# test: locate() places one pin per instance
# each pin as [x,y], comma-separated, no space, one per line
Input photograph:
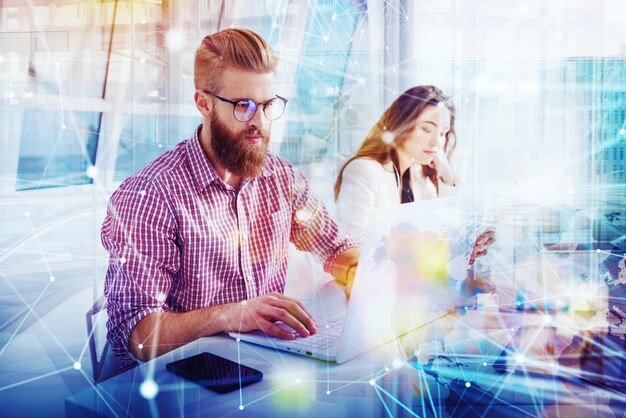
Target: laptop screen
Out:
[412,261]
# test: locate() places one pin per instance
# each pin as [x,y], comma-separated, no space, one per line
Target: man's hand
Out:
[262,313]
[350,281]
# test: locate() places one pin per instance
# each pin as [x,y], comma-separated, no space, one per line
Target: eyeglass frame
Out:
[234,103]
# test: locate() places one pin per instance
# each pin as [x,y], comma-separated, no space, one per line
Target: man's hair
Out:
[239,48]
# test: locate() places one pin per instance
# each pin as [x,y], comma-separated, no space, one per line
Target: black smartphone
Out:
[214,372]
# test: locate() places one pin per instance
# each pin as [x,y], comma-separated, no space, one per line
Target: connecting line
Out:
[97,390]
[267,395]
[30,310]
[239,371]
[361,380]
[420,388]
[383,401]
[422,375]
[496,396]
[32,379]
[154,411]
[393,398]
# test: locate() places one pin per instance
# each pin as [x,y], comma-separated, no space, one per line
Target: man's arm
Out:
[161,332]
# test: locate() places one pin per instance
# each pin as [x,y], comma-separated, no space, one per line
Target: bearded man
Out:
[207,224]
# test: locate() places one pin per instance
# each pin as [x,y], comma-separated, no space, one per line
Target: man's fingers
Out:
[298,312]
[274,314]
[275,330]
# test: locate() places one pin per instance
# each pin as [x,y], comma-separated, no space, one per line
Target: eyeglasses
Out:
[245,109]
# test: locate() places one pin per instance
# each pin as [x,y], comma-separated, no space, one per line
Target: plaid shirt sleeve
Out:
[313,229]
[139,232]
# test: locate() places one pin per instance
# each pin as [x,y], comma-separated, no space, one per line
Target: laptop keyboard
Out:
[327,334]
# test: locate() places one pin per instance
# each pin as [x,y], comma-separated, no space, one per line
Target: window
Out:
[56,148]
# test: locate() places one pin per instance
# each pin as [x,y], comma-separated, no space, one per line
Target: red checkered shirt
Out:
[180,239]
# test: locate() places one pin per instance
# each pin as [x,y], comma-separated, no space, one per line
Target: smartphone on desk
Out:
[214,372]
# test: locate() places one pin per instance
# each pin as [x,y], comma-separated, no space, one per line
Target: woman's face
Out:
[428,136]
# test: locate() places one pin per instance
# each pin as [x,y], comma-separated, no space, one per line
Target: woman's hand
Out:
[444,171]
[481,247]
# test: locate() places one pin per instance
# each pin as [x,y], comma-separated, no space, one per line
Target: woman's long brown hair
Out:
[398,121]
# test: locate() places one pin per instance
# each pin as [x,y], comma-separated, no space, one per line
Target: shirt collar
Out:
[201,168]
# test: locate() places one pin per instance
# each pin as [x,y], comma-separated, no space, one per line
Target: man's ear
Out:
[203,104]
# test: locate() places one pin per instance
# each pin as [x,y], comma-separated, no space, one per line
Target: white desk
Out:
[294,385]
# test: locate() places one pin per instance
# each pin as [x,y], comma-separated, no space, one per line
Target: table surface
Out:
[454,368]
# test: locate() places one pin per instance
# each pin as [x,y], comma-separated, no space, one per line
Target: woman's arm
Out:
[357,196]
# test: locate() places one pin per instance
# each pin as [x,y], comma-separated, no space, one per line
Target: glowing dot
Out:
[122,260]
[327,326]
[407,18]
[91,172]
[52,278]
[241,407]
[148,389]
[175,39]
[77,365]
[547,319]
[143,21]
[298,380]
[238,339]
[386,369]
[64,126]
[518,303]
[439,104]
[232,26]
[552,365]
[160,145]
[519,358]
[622,131]
[467,100]
[397,363]
[386,47]
[304,215]
[160,296]
[334,17]
[598,251]
[484,363]
[387,136]
[328,392]
[362,31]
[142,60]
[361,80]
[140,346]
[326,38]
[467,384]
[27,214]
[512,329]
[143,192]
[274,25]
[243,302]
[372,382]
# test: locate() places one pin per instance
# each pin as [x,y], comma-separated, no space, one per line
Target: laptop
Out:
[410,262]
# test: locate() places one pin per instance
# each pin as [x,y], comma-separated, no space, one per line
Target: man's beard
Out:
[233,151]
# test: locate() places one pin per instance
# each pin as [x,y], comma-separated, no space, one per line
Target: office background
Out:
[91,91]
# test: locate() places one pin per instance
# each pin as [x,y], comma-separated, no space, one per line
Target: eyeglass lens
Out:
[246,108]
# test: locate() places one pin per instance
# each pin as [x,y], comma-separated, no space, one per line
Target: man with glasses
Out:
[198,239]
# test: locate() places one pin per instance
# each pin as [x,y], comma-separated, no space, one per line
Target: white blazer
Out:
[366,185]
